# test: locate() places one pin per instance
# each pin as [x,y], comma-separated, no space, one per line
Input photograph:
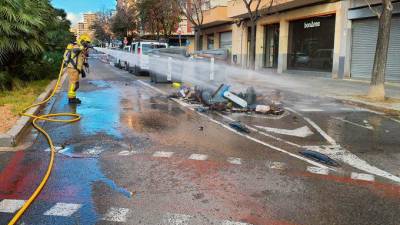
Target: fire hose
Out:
[50,118]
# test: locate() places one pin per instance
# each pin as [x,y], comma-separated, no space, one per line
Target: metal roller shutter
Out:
[365,33]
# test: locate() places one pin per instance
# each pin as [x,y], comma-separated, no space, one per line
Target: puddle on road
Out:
[100,112]
[75,176]
[100,83]
[149,120]
[84,153]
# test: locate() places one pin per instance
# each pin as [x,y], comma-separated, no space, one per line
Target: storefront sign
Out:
[312,24]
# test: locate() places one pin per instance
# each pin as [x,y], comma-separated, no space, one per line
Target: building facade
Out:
[334,39]
[363,32]
[85,27]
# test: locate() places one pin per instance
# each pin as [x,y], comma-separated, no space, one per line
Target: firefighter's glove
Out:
[83,73]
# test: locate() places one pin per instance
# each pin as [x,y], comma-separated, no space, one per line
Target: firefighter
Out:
[75,59]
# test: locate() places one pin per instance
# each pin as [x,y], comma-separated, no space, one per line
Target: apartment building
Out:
[334,39]
[85,26]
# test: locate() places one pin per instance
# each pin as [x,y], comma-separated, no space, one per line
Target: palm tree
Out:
[21,24]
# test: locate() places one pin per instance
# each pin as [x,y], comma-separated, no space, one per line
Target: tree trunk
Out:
[377,87]
[197,40]
[252,50]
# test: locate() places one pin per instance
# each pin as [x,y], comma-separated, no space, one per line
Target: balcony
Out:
[237,9]
[215,16]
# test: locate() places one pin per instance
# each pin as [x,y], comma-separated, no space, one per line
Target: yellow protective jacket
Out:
[74,57]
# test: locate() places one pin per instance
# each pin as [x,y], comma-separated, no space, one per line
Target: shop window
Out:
[311,43]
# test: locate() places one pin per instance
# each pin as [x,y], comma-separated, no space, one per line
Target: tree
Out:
[377,86]
[149,19]
[159,16]
[102,27]
[33,36]
[169,16]
[124,23]
[253,13]
[21,22]
[194,12]
[57,31]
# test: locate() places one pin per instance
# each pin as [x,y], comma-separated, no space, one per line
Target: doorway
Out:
[271,46]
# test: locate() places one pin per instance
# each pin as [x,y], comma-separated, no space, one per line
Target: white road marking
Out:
[176,219]
[367,126]
[395,120]
[259,141]
[126,153]
[313,124]
[249,137]
[338,153]
[347,109]
[227,222]
[335,151]
[302,132]
[163,154]
[63,209]
[236,161]
[116,215]
[11,205]
[277,165]
[317,170]
[311,110]
[320,131]
[198,157]
[362,176]
[262,133]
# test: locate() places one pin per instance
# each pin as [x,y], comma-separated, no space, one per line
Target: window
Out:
[210,41]
[311,43]
[225,40]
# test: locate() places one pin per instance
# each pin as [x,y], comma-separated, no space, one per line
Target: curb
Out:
[387,111]
[14,135]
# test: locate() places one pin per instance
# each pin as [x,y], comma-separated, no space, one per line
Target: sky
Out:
[75,8]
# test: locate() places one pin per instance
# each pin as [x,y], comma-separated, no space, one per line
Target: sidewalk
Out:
[349,91]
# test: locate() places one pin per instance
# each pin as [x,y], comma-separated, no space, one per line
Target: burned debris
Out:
[223,99]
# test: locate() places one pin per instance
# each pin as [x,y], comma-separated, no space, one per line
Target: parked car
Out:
[140,60]
[163,58]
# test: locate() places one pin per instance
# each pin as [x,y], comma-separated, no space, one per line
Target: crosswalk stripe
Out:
[11,205]
[227,222]
[277,165]
[311,110]
[362,176]
[63,209]
[236,161]
[198,157]
[318,170]
[116,215]
[163,154]
[176,219]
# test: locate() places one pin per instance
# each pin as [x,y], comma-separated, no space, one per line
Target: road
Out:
[137,157]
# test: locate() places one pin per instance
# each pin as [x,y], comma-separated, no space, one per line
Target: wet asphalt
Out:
[110,166]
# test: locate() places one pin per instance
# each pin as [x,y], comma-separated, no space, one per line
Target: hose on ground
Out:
[50,118]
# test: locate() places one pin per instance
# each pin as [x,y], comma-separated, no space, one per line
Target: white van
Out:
[140,50]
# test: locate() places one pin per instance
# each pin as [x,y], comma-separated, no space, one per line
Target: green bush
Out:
[32,41]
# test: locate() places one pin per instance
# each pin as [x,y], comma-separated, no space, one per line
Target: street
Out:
[138,157]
